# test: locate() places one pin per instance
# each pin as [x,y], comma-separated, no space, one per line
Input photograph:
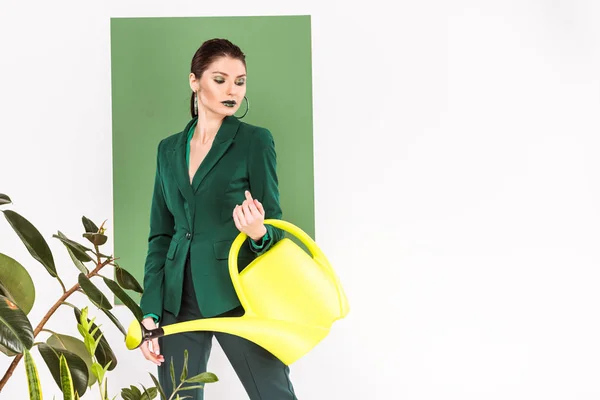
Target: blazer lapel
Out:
[221,143]
[179,170]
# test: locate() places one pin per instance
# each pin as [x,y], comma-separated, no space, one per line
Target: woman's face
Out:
[222,87]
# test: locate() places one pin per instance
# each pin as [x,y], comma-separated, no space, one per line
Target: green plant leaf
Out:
[16,283]
[193,387]
[16,333]
[126,394]
[129,394]
[149,394]
[8,352]
[89,225]
[115,321]
[79,251]
[172,370]
[66,382]
[33,379]
[77,367]
[126,280]
[106,390]
[32,239]
[136,392]
[205,377]
[80,266]
[103,353]
[124,297]
[94,294]
[97,239]
[89,331]
[4,199]
[98,371]
[76,346]
[159,387]
[85,330]
[184,370]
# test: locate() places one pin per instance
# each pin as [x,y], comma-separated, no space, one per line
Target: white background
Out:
[457,186]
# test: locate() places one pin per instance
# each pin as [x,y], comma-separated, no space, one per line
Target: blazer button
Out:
[188,236]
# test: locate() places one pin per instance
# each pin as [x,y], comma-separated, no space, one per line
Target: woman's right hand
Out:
[150,348]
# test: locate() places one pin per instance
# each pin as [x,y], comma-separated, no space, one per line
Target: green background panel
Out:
[150,61]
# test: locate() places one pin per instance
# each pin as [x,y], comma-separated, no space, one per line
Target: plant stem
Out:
[113,263]
[40,326]
[100,389]
[97,253]
[176,390]
[62,285]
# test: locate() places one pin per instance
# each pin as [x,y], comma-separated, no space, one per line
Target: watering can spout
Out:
[290,299]
[285,340]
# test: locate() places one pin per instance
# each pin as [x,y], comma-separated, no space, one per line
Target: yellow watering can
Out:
[290,299]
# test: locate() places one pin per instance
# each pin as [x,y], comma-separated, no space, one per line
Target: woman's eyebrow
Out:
[223,73]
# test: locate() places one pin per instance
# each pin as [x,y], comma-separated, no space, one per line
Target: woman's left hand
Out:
[249,217]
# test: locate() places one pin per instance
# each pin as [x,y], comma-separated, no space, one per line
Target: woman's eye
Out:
[219,80]
[240,82]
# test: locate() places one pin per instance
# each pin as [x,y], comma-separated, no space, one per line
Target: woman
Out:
[214,179]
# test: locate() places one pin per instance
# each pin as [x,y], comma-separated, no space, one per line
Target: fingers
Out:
[151,349]
[145,351]
[247,212]
[249,216]
[156,348]
[236,219]
[239,212]
[259,207]
[252,204]
[150,354]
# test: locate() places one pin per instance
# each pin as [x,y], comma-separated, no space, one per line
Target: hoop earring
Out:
[196,103]
[247,108]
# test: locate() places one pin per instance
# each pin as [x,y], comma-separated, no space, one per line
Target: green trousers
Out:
[263,376]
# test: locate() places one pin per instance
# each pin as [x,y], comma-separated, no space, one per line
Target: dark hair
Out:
[209,52]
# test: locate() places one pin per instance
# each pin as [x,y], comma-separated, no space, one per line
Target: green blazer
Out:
[196,218]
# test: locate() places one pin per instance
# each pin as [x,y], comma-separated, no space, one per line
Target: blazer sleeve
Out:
[161,231]
[263,180]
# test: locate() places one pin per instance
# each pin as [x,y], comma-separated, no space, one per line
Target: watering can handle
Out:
[310,244]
